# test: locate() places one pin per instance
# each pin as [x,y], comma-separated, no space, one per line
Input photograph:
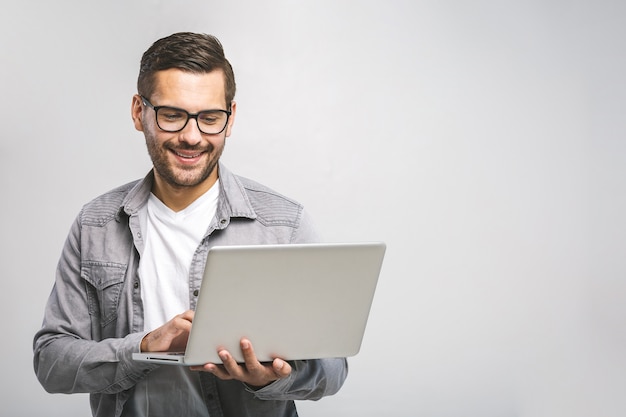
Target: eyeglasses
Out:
[173,119]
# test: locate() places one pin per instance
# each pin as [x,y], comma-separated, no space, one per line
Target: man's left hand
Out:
[251,372]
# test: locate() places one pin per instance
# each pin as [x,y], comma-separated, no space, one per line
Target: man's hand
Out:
[251,372]
[171,337]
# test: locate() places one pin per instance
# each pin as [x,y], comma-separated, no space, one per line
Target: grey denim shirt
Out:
[93,320]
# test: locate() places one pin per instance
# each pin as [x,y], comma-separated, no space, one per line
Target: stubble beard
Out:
[182,177]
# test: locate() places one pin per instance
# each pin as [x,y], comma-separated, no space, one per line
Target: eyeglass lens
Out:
[209,122]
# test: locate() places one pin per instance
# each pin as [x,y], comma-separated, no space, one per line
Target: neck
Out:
[178,197]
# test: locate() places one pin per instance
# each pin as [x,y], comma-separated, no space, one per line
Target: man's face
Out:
[185,159]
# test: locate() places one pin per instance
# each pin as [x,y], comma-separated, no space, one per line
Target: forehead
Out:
[191,91]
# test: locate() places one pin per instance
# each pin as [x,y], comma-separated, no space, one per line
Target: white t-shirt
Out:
[171,239]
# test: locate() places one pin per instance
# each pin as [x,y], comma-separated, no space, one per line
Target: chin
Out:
[187,179]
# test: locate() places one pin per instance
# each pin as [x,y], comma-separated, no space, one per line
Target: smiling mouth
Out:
[187,155]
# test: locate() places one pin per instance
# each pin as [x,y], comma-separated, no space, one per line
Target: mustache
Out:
[196,148]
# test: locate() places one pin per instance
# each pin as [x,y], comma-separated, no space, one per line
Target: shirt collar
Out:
[233,199]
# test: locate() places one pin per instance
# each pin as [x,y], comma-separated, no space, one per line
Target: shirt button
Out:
[136,285]
[195,293]
[223,221]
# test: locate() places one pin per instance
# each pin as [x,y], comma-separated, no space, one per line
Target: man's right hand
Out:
[171,337]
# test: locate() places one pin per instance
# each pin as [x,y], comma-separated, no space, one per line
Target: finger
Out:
[281,368]
[249,357]
[231,366]
[187,315]
[170,336]
[178,330]
[179,323]
[258,371]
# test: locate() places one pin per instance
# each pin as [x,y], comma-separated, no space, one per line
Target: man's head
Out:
[189,52]
[185,96]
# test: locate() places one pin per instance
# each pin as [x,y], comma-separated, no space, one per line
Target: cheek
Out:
[219,143]
[156,135]
[153,141]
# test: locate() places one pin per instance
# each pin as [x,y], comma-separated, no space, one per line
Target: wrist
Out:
[143,346]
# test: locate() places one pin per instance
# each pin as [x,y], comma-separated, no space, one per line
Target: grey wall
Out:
[483,141]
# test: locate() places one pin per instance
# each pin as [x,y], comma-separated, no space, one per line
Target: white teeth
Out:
[187,156]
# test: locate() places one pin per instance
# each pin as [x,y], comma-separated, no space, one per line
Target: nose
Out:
[191,133]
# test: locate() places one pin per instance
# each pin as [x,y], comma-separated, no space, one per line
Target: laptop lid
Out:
[297,301]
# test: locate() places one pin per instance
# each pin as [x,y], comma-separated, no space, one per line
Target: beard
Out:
[180,175]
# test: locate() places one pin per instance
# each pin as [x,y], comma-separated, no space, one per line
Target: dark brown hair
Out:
[193,52]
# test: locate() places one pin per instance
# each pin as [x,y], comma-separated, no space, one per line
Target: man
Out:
[131,267]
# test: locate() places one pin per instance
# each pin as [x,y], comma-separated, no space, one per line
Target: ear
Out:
[231,119]
[136,112]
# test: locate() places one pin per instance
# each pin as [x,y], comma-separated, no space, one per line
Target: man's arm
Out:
[68,357]
[279,379]
[284,380]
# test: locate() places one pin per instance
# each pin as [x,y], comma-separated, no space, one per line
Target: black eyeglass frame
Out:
[189,116]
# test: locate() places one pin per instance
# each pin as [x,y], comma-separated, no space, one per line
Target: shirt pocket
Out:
[105,281]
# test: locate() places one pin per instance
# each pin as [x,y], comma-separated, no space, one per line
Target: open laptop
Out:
[298,301]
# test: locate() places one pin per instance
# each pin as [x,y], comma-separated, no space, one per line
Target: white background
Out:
[484,141]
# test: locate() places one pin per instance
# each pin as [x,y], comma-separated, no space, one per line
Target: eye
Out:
[171,115]
[210,118]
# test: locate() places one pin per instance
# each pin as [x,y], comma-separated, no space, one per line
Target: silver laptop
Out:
[299,301]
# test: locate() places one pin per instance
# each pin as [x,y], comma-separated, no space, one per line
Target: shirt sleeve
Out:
[67,359]
[309,380]
[306,232]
